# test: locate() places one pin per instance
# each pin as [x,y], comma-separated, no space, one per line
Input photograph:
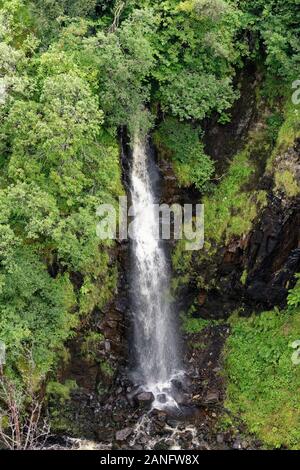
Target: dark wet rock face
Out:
[269,257]
[255,271]
[273,253]
[221,141]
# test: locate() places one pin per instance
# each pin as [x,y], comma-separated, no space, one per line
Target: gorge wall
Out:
[249,273]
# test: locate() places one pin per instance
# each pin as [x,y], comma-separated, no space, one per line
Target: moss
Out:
[231,209]
[225,423]
[290,129]
[285,181]
[106,369]
[282,162]
[193,325]
[181,260]
[59,396]
[199,346]
[244,277]
[262,382]
[97,293]
[91,344]
[60,392]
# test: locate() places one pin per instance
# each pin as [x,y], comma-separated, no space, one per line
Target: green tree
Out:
[275,26]
[125,59]
[196,51]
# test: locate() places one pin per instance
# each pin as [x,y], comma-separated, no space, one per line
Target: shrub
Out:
[262,380]
[180,143]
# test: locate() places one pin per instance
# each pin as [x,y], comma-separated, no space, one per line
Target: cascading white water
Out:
[155,342]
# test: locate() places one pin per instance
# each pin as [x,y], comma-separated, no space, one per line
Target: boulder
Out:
[212,397]
[123,434]
[161,398]
[145,397]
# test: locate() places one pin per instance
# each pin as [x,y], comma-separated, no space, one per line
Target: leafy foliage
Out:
[294,294]
[193,325]
[124,59]
[196,52]
[263,381]
[233,208]
[275,23]
[72,73]
[180,142]
[57,165]
[35,312]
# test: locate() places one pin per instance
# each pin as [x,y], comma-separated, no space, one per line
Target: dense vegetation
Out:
[71,74]
[263,377]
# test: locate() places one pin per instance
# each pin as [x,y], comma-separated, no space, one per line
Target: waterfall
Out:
[155,338]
